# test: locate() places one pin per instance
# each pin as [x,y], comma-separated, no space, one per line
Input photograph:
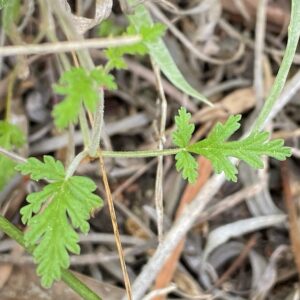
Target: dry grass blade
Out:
[268,278]
[162,292]
[12,155]
[115,226]
[224,233]
[259,54]
[67,46]
[236,264]
[289,200]
[159,170]
[102,11]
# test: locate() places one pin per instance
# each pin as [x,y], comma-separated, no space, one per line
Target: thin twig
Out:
[12,156]
[159,170]
[115,226]
[161,292]
[258,52]
[291,208]
[67,46]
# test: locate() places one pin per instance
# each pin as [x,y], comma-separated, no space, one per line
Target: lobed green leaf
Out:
[184,129]
[79,88]
[187,164]
[9,166]
[115,55]
[250,149]
[53,214]
[36,200]
[109,28]
[10,137]
[50,169]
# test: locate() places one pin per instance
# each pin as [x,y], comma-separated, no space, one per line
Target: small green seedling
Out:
[11,138]
[62,208]
[65,204]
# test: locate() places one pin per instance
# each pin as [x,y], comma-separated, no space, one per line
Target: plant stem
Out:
[293,38]
[84,128]
[12,231]
[13,156]
[143,153]
[11,81]
[113,154]
[73,282]
[78,286]
[97,126]
[121,154]
[75,163]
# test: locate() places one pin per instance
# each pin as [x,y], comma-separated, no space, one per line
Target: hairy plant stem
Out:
[290,51]
[72,281]
[143,153]
[84,128]
[75,163]
[118,154]
[110,154]
[97,126]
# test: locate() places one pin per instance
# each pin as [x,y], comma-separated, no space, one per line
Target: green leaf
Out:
[115,55]
[184,130]
[79,87]
[36,200]
[160,53]
[3,3]
[186,163]
[9,166]
[50,169]
[250,149]
[115,58]
[109,28]
[10,137]
[54,214]
[10,14]
[106,80]
[151,32]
